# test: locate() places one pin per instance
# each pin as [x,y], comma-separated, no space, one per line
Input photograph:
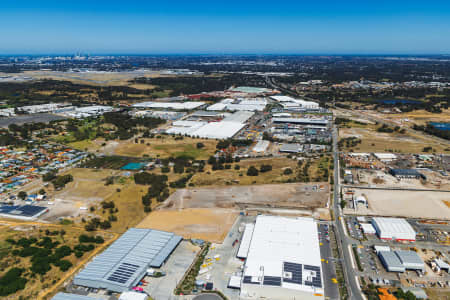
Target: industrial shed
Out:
[125,262]
[66,296]
[407,173]
[391,261]
[401,260]
[291,148]
[410,260]
[283,260]
[393,229]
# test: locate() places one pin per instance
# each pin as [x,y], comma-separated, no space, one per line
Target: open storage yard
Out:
[414,204]
[200,223]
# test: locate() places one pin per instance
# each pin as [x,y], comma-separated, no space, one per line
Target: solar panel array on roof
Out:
[316,280]
[28,211]
[125,262]
[272,280]
[248,279]
[293,273]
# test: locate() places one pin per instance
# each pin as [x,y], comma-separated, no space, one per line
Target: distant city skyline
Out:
[228,27]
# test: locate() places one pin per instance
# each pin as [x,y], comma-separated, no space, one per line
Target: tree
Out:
[265,168]
[22,195]
[200,145]
[287,171]
[252,171]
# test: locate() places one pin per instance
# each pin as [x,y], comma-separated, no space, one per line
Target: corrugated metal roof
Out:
[126,259]
[410,259]
[391,261]
[66,296]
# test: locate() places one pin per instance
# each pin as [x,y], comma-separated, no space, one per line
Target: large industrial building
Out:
[393,229]
[125,262]
[282,259]
[401,260]
[188,105]
[301,121]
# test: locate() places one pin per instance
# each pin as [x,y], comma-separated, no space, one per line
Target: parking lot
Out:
[221,261]
[328,267]
[162,288]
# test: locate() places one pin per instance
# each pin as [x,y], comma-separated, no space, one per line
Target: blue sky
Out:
[215,26]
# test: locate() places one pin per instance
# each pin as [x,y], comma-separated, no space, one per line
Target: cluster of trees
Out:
[158,189]
[223,162]
[430,129]
[8,139]
[60,181]
[12,281]
[303,174]
[349,142]
[43,252]
[94,223]
[181,183]
[224,144]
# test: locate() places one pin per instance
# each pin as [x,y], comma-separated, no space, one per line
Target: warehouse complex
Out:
[394,229]
[125,262]
[217,129]
[282,259]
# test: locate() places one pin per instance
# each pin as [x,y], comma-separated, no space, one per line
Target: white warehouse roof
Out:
[393,229]
[283,257]
[218,130]
[171,105]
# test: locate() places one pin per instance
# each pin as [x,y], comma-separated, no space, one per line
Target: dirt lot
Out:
[414,204]
[208,224]
[295,195]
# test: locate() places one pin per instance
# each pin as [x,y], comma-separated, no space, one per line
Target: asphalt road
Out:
[342,239]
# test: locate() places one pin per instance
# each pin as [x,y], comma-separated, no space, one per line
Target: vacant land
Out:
[419,117]
[89,189]
[165,146]
[373,141]
[38,284]
[233,176]
[207,224]
[295,195]
[414,204]
[97,78]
